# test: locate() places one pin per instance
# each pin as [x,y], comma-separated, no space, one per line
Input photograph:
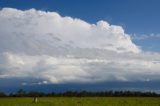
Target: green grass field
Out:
[84,101]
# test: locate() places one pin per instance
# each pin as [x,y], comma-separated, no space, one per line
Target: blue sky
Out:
[80,42]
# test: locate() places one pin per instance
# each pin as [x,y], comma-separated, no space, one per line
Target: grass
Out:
[84,101]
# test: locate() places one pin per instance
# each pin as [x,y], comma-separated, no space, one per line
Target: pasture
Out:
[83,101]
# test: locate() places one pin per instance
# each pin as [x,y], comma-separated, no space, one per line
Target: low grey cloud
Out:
[53,49]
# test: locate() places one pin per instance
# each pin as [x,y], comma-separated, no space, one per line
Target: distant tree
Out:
[2,94]
[21,93]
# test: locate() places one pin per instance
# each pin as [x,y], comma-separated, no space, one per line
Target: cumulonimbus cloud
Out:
[54,49]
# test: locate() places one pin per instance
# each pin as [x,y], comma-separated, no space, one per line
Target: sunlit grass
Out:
[84,101]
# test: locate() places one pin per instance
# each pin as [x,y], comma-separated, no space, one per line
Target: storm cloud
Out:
[48,48]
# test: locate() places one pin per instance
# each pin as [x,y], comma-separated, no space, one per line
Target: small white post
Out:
[35,100]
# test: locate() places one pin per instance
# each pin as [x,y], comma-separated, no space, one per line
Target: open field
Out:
[84,101]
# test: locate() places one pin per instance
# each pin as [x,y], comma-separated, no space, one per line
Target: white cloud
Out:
[55,49]
[144,36]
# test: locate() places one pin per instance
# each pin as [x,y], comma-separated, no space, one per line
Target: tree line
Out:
[23,93]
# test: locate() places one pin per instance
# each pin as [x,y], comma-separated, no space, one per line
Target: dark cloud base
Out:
[105,86]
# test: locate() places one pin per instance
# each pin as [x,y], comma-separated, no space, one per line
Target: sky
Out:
[79,44]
